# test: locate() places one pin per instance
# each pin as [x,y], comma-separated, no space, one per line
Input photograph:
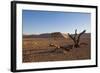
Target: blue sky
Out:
[37,22]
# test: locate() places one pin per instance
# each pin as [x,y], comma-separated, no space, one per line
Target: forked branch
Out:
[76,37]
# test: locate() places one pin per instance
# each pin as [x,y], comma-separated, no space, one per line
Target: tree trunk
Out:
[76,45]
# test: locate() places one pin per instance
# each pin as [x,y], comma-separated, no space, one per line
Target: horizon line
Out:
[49,33]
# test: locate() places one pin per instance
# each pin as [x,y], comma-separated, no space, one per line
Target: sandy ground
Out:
[38,50]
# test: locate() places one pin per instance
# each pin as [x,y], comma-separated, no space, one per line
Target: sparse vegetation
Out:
[53,49]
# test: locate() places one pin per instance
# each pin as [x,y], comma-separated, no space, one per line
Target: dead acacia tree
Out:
[76,38]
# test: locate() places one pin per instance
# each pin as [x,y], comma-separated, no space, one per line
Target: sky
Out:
[38,22]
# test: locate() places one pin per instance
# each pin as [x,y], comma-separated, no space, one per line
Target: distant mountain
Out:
[59,35]
[47,35]
[54,35]
[85,35]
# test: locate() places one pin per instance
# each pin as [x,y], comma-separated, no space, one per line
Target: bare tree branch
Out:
[71,37]
[76,37]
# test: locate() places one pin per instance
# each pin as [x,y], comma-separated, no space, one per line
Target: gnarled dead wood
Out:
[76,38]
